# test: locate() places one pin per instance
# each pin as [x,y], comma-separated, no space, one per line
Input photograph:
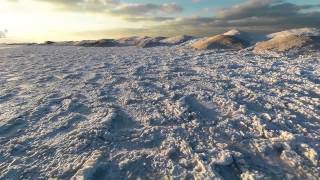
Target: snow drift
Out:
[233,39]
[139,41]
[249,37]
[97,43]
[294,40]
[131,41]
[297,32]
[220,42]
[151,42]
[176,40]
[70,112]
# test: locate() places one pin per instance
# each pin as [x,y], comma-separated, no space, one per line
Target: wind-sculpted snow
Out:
[157,113]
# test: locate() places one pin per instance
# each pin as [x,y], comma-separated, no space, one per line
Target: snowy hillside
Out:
[297,32]
[251,38]
[163,112]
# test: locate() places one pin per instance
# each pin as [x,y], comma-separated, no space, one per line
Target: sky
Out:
[63,20]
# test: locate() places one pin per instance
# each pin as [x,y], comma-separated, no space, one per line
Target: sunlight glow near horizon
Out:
[64,20]
[29,21]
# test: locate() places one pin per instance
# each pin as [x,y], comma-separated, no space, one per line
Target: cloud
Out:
[293,16]
[115,7]
[276,14]
[3,33]
[98,6]
[195,1]
[82,2]
[252,15]
[145,9]
[266,8]
[148,19]
[163,19]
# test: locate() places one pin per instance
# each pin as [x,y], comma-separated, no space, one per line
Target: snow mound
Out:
[60,43]
[132,40]
[297,32]
[233,32]
[177,40]
[162,41]
[139,41]
[97,43]
[295,40]
[220,42]
[252,38]
[233,39]
[151,42]
[49,42]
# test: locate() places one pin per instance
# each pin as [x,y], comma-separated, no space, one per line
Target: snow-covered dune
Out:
[249,37]
[280,44]
[220,42]
[176,40]
[294,40]
[131,41]
[297,32]
[232,39]
[151,42]
[70,112]
[97,43]
[139,41]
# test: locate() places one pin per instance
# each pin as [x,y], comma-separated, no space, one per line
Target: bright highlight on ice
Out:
[126,89]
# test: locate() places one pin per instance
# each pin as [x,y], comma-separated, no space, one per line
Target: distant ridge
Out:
[289,40]
[220,42]
[249,37]
[177,39]
[297,32]
[139,41]
[233,39]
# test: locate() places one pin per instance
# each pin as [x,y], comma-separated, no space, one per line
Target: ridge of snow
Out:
[298,32]
[251,38]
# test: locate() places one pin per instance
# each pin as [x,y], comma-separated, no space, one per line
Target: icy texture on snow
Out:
[164,112]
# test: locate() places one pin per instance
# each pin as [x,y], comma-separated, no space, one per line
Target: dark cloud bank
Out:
[253,15]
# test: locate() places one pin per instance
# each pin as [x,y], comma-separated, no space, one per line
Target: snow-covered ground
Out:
[164,112]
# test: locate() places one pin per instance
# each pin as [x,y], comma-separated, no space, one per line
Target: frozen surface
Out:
[118,113]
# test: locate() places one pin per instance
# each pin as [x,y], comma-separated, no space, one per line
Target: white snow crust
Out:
[157,113]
